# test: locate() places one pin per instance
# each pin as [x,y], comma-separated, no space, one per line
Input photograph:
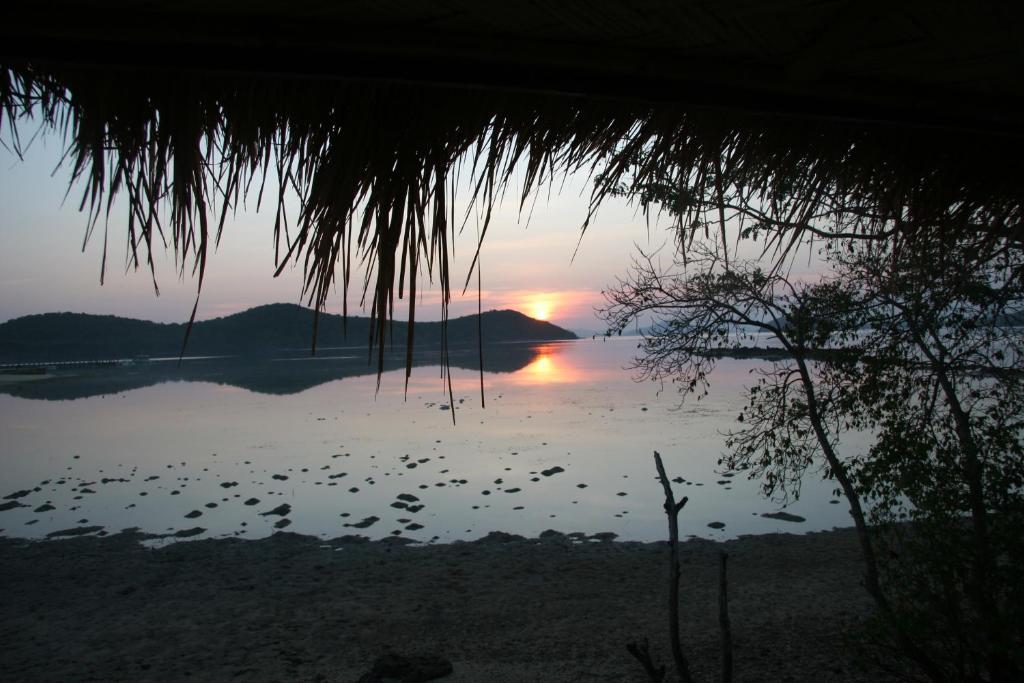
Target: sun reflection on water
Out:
[549,366]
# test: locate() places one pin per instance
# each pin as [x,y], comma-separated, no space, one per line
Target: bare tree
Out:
[896,337]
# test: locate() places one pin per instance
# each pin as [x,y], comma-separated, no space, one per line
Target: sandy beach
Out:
[298,608]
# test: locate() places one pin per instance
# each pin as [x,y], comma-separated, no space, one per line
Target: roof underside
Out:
[915,62]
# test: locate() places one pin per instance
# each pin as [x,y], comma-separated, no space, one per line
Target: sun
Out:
[539,305]
[541,310]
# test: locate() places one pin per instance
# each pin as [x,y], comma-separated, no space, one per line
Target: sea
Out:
[560,436]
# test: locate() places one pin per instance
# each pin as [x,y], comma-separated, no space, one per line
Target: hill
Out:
[273,328]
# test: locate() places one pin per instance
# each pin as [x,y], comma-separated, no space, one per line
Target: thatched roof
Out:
[907,118]
[922,62]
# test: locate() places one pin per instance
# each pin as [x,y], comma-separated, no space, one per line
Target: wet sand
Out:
[297,608]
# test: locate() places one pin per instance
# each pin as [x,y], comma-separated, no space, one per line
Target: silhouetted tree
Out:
[913,345]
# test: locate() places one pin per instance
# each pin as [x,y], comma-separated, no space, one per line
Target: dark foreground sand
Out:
[294,608]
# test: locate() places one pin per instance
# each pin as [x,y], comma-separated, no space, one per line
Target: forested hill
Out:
[272,328]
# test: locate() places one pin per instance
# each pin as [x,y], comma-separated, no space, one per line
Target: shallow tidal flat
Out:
[210,450]
[291,607]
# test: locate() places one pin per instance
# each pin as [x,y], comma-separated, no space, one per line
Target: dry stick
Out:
[724,627]
[672,509]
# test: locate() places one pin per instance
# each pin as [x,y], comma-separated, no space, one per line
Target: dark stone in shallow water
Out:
[280,477]
[717,525]
[367,522]
[349,538]
[229,484]
[552,470]
[407,497]
[10,505]
[394,667]
[76,531]
[17,494]
[500,537]
[188,533]
[194,514]
[282,510]
[45,507]
[783,516]
[252,501]
[396,539]
[282,523]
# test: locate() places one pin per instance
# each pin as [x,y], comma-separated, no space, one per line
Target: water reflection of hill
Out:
[265,375]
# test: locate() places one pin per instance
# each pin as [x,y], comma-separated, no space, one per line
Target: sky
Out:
[528,267]
[46,266]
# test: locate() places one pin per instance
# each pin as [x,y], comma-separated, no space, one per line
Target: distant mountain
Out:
[273,328]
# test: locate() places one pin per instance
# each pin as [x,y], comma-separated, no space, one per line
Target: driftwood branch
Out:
[641,652]
[672,509]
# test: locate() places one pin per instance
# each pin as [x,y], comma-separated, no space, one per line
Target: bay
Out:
[564,442]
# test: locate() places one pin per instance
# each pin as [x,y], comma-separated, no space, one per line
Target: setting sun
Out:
[564,307]
[539,305]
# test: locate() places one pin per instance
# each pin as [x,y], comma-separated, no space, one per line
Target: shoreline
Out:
[156,540]
[501,608]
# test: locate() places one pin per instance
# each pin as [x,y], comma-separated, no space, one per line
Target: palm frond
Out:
[373,165]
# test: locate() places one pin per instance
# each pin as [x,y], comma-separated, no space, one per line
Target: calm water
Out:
[145,446]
